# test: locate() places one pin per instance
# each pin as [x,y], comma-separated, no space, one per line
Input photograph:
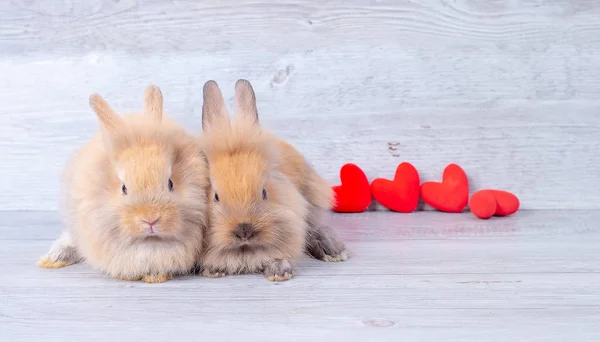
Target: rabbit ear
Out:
[153,103]
[214,111]
[245,101]
[108,117]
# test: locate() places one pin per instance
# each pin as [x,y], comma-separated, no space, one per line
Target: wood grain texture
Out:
[416,277]
[510,90]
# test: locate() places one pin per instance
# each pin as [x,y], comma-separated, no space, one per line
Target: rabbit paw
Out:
[342,256]
[279,270]
[48,262]
[128,278]
[62,253]
[156,278]
[323,245]
[211,273]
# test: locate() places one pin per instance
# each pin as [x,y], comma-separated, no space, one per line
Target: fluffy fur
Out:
[262,187]
[139,168]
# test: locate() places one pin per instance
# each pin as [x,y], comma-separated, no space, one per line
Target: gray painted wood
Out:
[508,89]
[417,277]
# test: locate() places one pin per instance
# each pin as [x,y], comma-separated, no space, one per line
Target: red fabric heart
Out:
[401,194]
[498,202]
[452,194]
[507,202]
[483,204]
[354,194]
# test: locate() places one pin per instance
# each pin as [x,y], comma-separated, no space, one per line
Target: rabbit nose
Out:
[244,231]
[151,222]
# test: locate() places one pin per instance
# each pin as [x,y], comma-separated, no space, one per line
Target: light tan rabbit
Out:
[267,202]
[134,197]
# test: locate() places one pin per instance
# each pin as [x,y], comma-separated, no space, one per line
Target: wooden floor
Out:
[425,276]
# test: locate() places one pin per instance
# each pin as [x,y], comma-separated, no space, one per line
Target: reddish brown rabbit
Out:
[267,203]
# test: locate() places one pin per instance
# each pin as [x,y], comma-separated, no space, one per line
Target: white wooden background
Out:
[509,89]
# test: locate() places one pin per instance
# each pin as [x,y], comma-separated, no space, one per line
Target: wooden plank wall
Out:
[507,88]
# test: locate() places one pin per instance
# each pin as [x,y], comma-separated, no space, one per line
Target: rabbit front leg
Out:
[323,244]
[212,273]
[212,265]
[62,253]
[279,270]
[127,278]
[151,278]
[156,278]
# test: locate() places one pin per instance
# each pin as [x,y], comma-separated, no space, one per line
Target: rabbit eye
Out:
[216,197]
[170,185]
[124,189]
[264,194]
